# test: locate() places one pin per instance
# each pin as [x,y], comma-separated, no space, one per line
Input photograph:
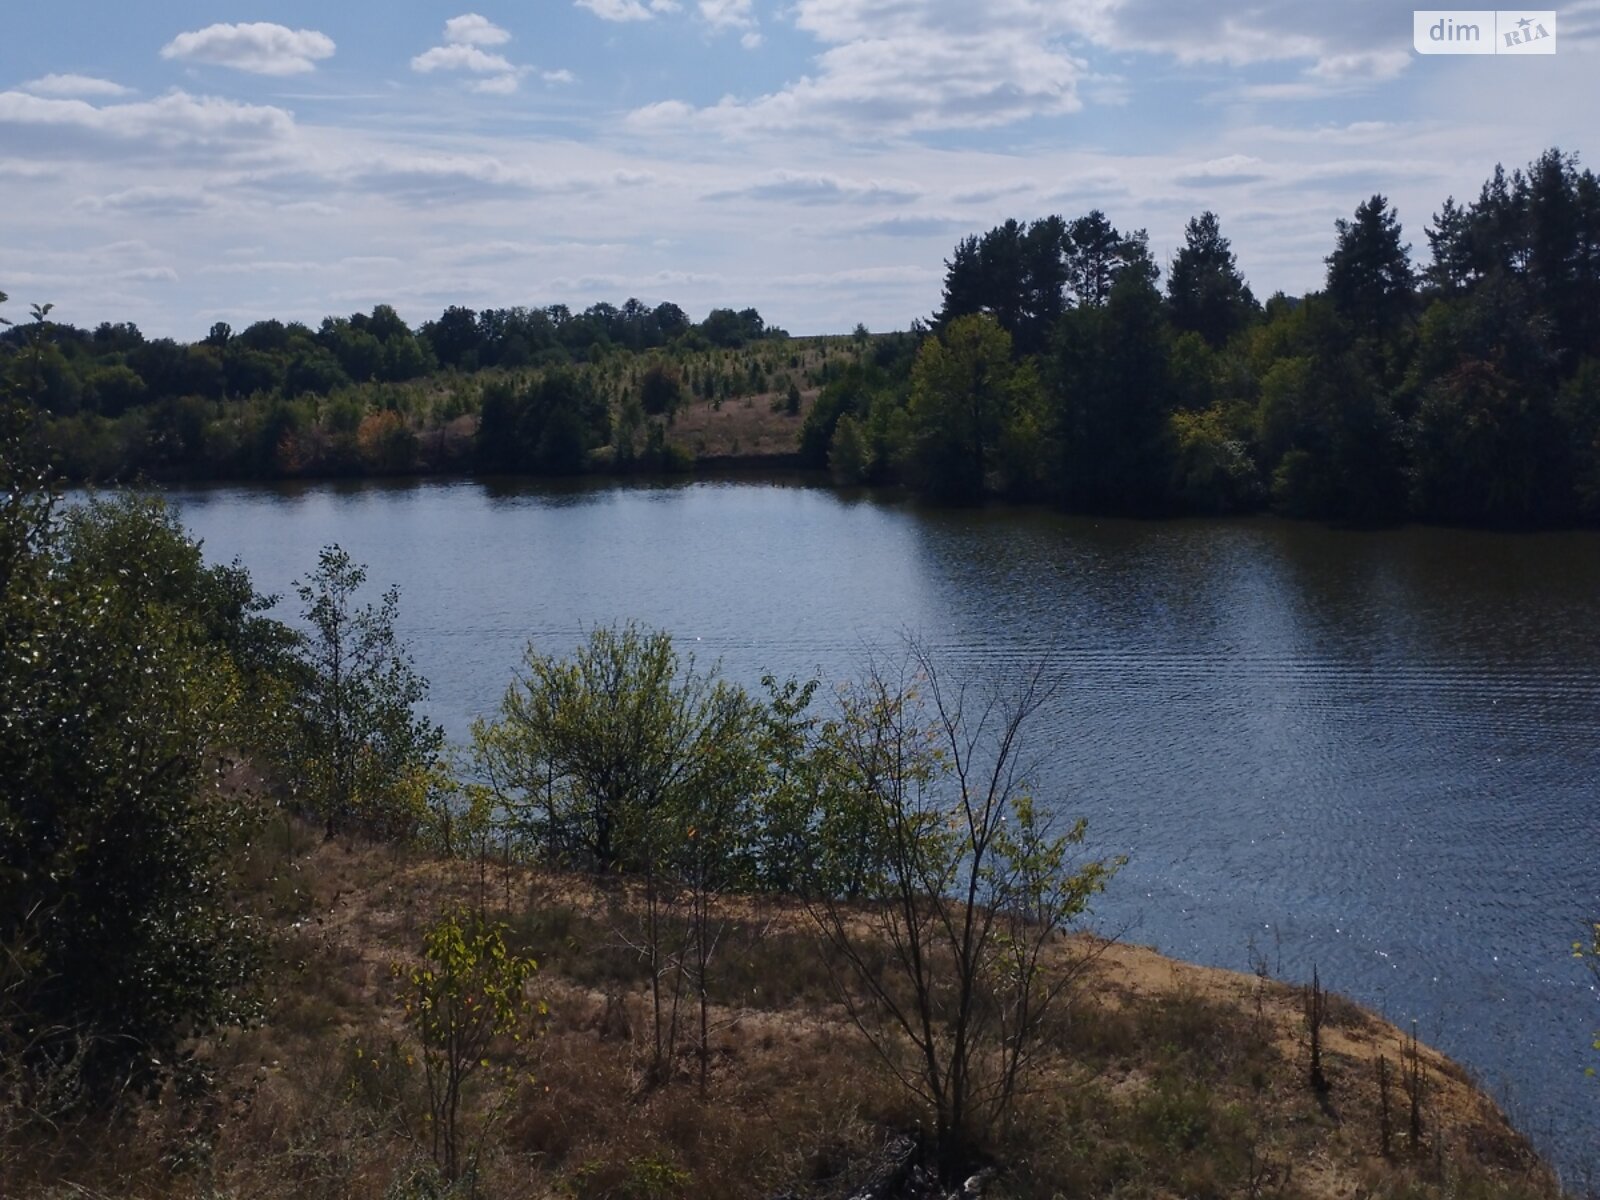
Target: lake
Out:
[1373,752]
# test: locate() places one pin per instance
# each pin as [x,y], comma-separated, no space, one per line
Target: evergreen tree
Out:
[1449,240]
[1112,395]
[1370,280]
[1206,294]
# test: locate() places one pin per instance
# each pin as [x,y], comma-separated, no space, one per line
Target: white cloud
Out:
[996,191]
[465,36]
[1221,172]
[461,58]
[152,201]
[628,10]
[897,67]
[498,85]
[893,67]
[148,275]
[859,277]
[818,230]
[727,14]
[176,121]
[74,85]
[422,176]
[1373,65]
[470,29]
[21,169]
[751,40]
[261,48]
[912,225]
[265,267]
[798,187]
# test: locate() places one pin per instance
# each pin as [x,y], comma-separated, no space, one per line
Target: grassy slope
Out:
[1163,1079]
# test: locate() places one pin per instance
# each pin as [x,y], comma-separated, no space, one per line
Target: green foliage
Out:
[549,426]
[138,540]
[1206,294]
[975,416]
[470,991]
[1484,449]
[600,756]
[860,390]
[124,667]
[1578,409]
[359,755]
[1112,392]
[646,1178]
[660,390]
[1212,468]
[848,455]
[1370,280]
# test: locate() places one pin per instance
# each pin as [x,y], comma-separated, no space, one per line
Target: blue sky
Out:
[183,163]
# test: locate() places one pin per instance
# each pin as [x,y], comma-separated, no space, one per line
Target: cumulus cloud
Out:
[891,67]
[1359,42]
[74,85]
[470,29]
[462,50]
[896,67]
[176,121]
[427,177]
[261,48]
[727,14]
[628,10]
[460,58]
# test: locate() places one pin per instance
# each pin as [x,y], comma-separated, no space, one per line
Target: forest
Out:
[1064,366]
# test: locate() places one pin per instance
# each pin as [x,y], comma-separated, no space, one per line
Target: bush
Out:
[118,682]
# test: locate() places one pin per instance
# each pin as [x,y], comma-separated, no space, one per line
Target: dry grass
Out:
[755,426]
[1162,1078]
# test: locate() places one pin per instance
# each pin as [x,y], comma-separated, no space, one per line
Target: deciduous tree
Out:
[359,741]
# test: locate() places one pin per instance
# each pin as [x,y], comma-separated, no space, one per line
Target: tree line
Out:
[1064,365]
[1058,368]
[114,367]
[363,394]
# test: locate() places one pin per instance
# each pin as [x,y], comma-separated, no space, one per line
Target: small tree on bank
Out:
[361,747]
[471,991]
[946,964]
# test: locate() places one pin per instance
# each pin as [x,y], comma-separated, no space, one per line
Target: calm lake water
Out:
[1378,753]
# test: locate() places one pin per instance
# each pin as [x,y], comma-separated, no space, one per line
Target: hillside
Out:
[1163,1078]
